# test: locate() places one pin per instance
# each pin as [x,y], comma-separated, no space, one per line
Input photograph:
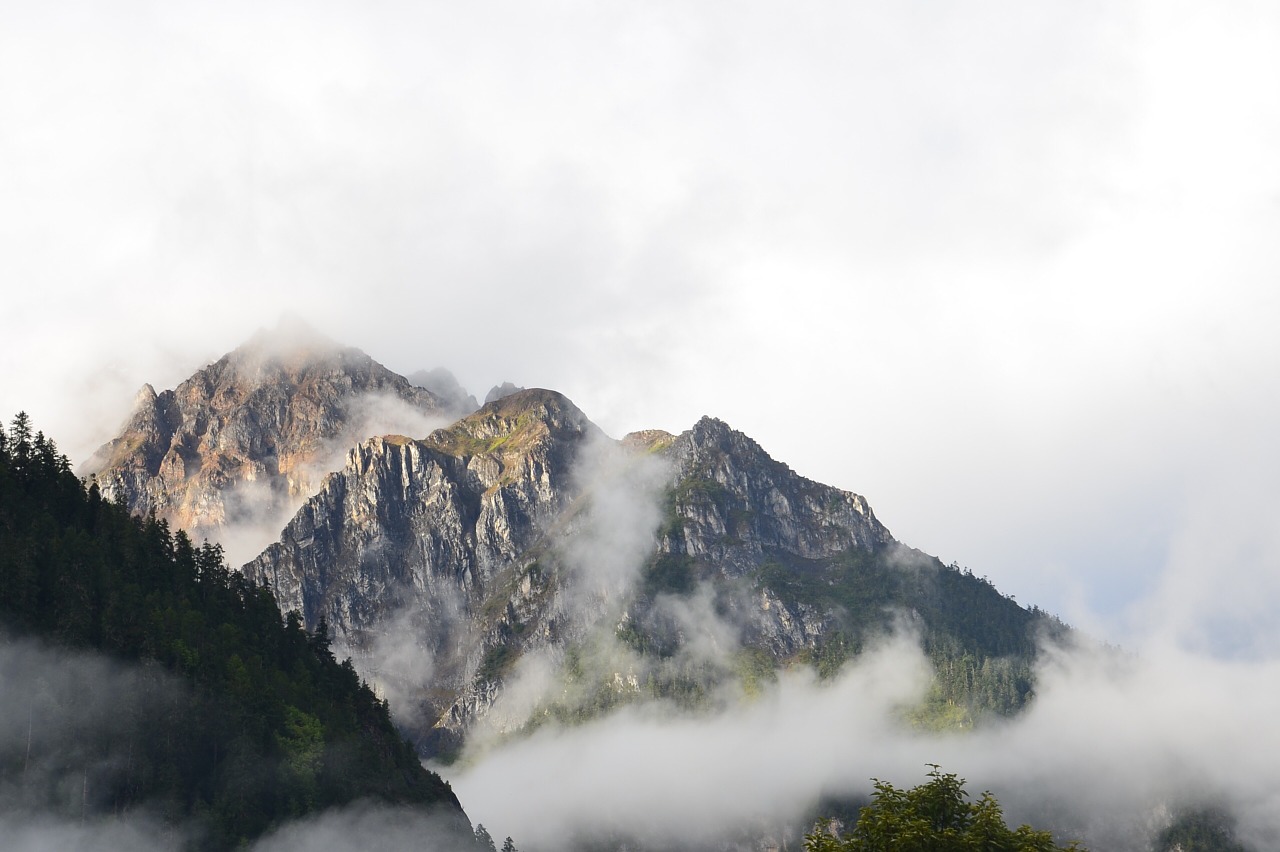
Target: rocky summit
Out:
[521,538]
[419,542]
[517,567]
[245,439]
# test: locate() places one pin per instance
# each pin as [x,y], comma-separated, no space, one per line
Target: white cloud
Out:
[1008,259]
[1007,270]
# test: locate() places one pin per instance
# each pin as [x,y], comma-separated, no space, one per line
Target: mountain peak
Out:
[497,392]
[648,440]
[445,385]
[290,349]
[251,434]
[513,423]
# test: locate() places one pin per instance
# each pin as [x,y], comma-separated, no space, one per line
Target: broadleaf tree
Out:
[936,816]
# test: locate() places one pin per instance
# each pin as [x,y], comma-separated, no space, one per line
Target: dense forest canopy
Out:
[234,718]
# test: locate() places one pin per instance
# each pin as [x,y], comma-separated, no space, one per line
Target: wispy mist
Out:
[43,833]
[75,724]
[601,546]
[257,511]
[71,723]
[1115,743]
[612,535]
[367,827]
[656,774]
[1109,750]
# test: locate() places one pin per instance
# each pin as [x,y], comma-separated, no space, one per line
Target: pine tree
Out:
[483,839]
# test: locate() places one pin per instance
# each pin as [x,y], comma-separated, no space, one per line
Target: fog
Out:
[1115,744]
[1111,747]
[1008,270]
[256,512]
[69,722]
[1004,270]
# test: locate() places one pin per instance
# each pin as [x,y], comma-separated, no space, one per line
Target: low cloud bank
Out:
[1115,743]
[364,826]
[1111,748]
[72,725]
[369,828]
[659,776]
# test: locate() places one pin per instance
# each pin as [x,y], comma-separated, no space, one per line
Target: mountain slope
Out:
[418,534]
[245,439]
[189,696]
[521,539]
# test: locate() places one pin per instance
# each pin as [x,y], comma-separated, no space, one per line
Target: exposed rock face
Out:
[519,566]
[468,545]
[735,505]
[439,537]
[250,436]
[427,522]
[497,392]
[735,510]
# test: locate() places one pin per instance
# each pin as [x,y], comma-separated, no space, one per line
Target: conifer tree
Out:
[484,841]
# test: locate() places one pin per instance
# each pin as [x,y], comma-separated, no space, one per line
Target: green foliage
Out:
[936,816]
[981,643]
[1206,829]
[966,687]
[498,659]
[832,653]
[668,573]
[269,725]
[755,669]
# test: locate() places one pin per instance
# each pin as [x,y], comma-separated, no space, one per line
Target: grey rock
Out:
[467,531]
[250,435]
[497,392]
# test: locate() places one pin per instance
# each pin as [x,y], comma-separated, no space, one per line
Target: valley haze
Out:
[1009,271]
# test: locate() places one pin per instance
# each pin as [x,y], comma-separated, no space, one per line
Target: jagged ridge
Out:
[251,433]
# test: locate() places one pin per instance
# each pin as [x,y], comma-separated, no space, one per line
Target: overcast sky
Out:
[1007,269]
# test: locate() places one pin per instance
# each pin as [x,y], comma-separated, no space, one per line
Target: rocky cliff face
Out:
[734,505]
[521,535]
[245,439]
[519,566]
[424,547]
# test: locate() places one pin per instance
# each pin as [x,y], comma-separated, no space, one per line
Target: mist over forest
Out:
[741,273]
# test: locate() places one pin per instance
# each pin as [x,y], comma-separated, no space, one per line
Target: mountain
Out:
[518,564]
[410,542]
[247,438]
[444,385]
[522,540]
[143,678]
[497,392]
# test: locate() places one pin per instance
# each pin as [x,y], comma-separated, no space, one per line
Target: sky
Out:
[1006,269]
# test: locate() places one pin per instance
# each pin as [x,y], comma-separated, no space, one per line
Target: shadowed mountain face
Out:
[247,438]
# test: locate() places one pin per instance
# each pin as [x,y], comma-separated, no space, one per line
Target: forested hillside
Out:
[233,719]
